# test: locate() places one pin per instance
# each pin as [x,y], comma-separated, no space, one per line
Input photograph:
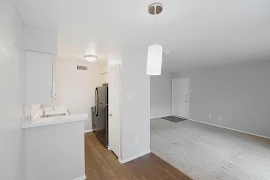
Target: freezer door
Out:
[102,95]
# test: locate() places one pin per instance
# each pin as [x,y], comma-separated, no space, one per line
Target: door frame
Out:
[188,97]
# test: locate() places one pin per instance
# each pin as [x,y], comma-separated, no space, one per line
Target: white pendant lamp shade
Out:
[154,56]
[154,59]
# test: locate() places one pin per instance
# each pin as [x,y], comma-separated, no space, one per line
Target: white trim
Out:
[230,129]
[133,157]
[87,131]
[81,178]
[160,116]
[109,148]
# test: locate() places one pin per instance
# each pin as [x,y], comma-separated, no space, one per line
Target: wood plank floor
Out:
[102,164]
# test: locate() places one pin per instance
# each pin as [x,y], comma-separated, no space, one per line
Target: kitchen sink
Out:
[53,115]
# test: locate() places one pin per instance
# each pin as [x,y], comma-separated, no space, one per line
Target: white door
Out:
[114,121]
[180,97]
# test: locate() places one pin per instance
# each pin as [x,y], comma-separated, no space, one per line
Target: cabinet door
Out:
[38,78]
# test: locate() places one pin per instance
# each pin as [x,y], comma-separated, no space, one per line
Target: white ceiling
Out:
[198,33]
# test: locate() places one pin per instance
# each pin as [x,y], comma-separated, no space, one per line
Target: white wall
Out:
[12,93]
[239,94]
[161,95]
[75,89]
[135,104]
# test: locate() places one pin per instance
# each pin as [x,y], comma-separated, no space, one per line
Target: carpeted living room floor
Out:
[206,152]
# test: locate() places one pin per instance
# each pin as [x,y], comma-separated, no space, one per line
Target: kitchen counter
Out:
[58,115]
[54,120]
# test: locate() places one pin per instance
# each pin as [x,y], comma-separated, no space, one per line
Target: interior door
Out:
[114,121]
[180,97]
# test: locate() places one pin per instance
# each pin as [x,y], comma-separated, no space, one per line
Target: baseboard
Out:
[80,178]
[87,131]
[160,116]
[230,129]
[109,148]
[133,157]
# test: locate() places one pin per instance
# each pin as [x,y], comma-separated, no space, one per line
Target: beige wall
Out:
[75,89]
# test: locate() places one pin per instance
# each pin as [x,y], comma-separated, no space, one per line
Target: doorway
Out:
[180,97]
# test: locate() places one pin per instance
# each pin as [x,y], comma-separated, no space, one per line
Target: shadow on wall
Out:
[161,95]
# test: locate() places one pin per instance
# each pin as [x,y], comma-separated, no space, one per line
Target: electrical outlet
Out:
[210,115]
[219,118]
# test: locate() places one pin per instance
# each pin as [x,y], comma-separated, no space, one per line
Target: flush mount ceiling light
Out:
[154,57]
[90,58]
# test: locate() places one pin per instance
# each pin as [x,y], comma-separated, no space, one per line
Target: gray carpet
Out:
[205,152]
[173,119]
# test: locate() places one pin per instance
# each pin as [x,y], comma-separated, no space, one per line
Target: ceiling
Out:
[196,33]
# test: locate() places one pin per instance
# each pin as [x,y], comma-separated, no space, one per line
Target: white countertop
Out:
[54,120]
[34,118]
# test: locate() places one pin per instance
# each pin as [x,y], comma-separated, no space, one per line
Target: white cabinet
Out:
[40,40]
[55,152]
[39,78]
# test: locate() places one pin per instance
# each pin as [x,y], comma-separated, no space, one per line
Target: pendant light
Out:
[154,56]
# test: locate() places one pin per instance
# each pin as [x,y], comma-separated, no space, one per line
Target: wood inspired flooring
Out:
[102,164]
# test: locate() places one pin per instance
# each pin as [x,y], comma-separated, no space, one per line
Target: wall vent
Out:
[82,67]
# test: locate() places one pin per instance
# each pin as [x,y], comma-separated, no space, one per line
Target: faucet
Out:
[45,107]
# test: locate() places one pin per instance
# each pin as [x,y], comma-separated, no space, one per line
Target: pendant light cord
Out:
[155,34]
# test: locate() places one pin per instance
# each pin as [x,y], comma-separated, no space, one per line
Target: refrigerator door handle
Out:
[96,106]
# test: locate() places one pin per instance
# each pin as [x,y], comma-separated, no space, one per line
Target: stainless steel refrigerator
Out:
[101,111]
